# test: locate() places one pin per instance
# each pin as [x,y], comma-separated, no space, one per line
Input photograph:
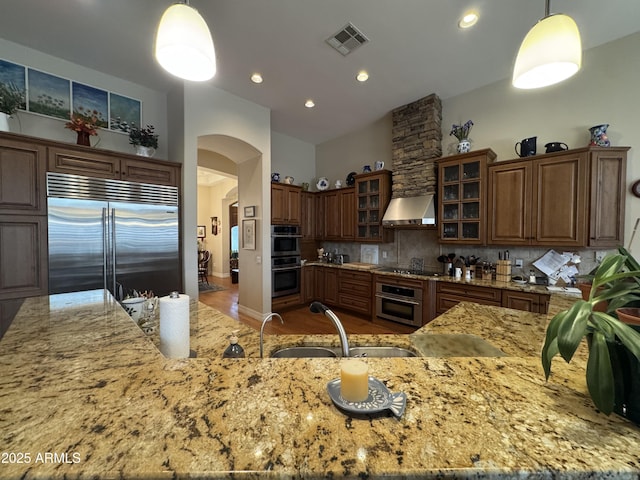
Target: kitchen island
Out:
[84,393]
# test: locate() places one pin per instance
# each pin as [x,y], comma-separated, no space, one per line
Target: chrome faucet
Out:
[266,319]
[317,307]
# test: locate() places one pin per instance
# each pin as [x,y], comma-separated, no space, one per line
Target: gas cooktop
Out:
[407,271]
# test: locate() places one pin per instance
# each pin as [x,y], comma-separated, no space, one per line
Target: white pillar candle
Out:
[354,381]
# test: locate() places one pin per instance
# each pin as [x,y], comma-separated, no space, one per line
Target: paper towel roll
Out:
[174,326]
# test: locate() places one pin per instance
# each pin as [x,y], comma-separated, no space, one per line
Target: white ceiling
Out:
[208,178]
[415,48]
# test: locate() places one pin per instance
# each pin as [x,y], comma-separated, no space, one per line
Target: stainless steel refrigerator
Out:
[112,234]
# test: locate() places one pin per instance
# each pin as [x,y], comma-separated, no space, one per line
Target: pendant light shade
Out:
[550,53]
[184,46]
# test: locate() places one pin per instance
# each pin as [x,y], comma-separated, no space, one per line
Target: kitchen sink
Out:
[303,352]
[320,352]
[381,351]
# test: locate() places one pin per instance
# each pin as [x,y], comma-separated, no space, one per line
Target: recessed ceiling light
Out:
[256,78]
[468,20]
[309,104]
[362,76]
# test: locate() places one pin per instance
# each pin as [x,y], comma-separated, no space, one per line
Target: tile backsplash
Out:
[423,244]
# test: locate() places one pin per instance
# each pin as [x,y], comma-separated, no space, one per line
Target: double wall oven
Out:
[285,260]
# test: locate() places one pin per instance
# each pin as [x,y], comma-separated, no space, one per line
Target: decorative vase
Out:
[599,136]
[83,138]
[464,146]
[4,122]
[145,151]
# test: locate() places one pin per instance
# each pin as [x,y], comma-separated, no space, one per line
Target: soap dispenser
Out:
[233,350]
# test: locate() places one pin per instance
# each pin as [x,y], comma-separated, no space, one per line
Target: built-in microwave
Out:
[285,240]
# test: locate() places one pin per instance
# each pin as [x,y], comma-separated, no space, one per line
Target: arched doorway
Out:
[229,156]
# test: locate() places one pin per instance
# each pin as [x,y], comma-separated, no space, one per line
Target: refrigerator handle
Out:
[113,251]
[105,248]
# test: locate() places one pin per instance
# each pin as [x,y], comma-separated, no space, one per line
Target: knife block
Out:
[503,271]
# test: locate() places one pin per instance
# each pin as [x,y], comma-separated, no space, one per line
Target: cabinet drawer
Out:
[83,163]
[358,276]
[147,172]
[471,292]
[445,301]
[403,282]
[284,302]
[355,288]
[528,302]
[356,304]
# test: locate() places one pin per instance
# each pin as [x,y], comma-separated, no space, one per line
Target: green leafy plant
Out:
[616,281]
[11,98]
[145,137]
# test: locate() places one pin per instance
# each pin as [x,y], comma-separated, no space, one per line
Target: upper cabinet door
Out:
[510,203]
[463,197]
[22,177]
[607,199]
[285,204]
[560,200]
[569,199]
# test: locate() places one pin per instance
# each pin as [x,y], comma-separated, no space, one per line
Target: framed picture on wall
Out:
[202,231]
[249,234]
[250,211]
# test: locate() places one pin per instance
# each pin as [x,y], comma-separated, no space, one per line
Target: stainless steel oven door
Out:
[405,309]
[282,246]
[285,275]
[285,281]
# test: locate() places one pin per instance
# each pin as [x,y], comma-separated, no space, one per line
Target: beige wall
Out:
[604,91]
[293,157]
[154,104]
[335,159]
[240,131]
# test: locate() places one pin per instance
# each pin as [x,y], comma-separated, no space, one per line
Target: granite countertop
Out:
[84,393]
[377,269]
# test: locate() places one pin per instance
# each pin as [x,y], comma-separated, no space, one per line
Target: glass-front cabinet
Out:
[462,181]
[373,192]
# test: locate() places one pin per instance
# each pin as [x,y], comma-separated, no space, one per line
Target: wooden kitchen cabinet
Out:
[462,192]
[526,301]
[308,284]
[339,214]
[330,288]
[23,218]
[111,165]
[318,277]
[22,177]
[355,291]
[568,199]
[373,193]
[285,204]
[450,294]
[23,256]
[308,215]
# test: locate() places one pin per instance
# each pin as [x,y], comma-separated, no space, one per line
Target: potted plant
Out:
[144,139]
[613,364]
[11,99]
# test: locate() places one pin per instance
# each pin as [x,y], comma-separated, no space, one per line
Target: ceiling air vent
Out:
[347,39]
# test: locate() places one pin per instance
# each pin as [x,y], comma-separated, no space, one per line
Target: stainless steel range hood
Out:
[410,211]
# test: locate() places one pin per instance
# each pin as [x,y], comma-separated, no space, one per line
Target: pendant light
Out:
[184,46]
[550,53]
